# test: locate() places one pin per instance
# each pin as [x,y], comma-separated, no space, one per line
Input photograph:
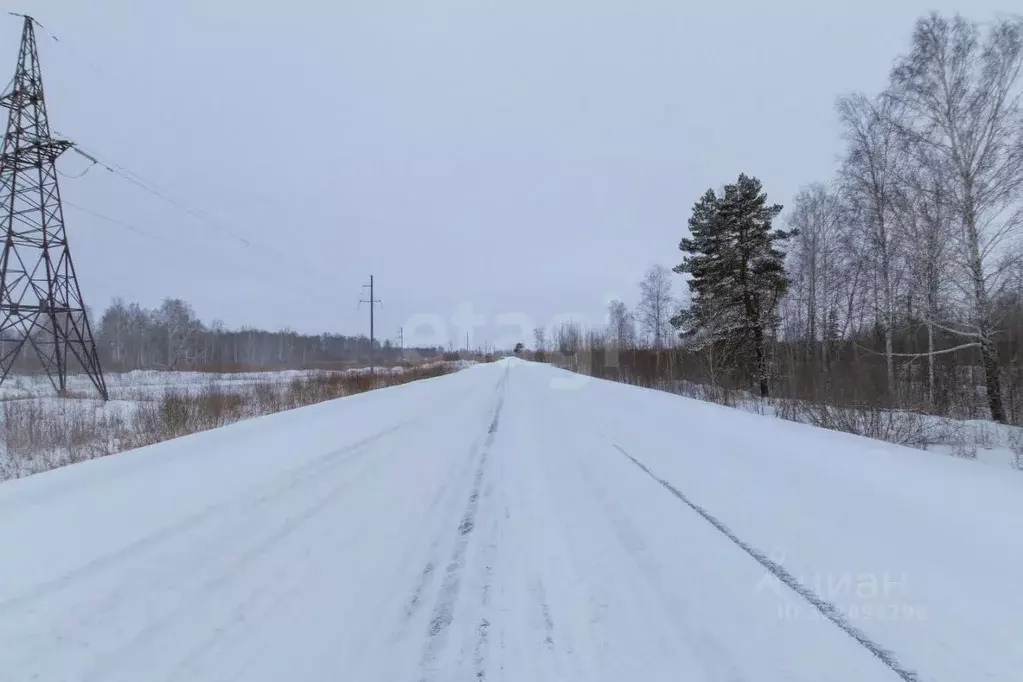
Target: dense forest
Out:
[129,336]
[172,337]
[896,283]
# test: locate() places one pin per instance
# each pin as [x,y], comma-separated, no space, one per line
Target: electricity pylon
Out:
[40,301]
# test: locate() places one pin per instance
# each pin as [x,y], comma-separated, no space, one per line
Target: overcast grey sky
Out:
[528,157]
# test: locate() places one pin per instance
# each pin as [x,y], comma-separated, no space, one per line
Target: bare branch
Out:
[972,344]
[958,332]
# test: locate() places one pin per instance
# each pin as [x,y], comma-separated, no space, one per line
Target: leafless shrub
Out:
[964,448]
[942,430]
[217,407]
[789,410]
[706,392]
[901,428]
[300,393]
[759,405]
[144,426]
[23,429]
[178,414]
[360,383]
[267,398]
[1015,442]
[967,438]
[983,435]
[36,438]
[171,416]
[315,390]
[86,433]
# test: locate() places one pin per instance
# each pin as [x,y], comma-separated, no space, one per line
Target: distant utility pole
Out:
[401,344]
[41,303]
[372,304]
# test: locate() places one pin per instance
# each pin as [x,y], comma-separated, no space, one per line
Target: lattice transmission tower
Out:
[40,301]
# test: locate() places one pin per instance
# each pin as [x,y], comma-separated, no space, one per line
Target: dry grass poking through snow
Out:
[37,434]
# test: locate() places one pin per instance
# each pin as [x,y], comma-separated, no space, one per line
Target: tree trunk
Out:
[761,360]
[889,320]
[930,361]
[712,366]
[989,356]
[889,364]
[988,351]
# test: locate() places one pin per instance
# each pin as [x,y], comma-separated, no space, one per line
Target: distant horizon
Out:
[517,164]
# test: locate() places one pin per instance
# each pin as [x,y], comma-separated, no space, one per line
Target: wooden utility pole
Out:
[372,343]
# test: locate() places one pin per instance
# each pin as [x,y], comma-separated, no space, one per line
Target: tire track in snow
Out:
[430,568]
[229,570]
[163,571]
[458,470]
[254,498]
[257,495]
[488,551]
[659,609]
[417,594]
[437,503]
[540,592]
[137,584]
[480,648]
[429,571]
[826,608]
[482,636]
[443,612]
[479,654]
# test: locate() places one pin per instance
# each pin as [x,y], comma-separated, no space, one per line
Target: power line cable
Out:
[152,188]
[75,177]
[114,221]
[159,237]
[127,174]
[135,178]
[81,56]
[221,261]
[193,211]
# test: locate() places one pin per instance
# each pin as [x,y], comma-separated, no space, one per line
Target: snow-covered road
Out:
[513,522]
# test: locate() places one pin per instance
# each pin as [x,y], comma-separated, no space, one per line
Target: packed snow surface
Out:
[513,522]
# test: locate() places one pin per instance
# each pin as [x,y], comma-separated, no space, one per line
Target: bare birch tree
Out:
[869,177]
[655,305]
[182,329]
[818,268]
[962,92]
[621,325]
[926,221]
[539,339]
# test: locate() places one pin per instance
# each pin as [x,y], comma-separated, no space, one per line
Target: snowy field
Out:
[150,384]
[514,522]
[40,431]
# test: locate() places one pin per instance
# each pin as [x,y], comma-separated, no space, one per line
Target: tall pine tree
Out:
[738,273]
